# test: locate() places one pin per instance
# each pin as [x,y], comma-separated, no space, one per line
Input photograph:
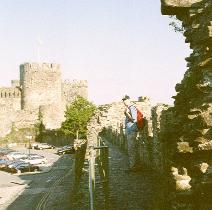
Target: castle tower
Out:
[40,85]
[74,88]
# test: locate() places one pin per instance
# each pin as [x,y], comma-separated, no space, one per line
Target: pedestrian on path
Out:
[131,132]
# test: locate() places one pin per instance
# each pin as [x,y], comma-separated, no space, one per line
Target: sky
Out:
[119,46]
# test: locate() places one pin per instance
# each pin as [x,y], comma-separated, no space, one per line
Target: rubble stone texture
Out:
[190,144]
[40,89]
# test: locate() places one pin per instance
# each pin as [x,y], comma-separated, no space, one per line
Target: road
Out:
[50,190]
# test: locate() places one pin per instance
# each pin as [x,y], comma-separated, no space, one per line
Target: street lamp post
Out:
[29,137]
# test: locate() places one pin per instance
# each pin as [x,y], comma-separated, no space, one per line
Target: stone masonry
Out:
[190,145]
[40,89]
[110,120]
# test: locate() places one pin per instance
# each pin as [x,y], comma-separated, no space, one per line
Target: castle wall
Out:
[17,119]
[71,89]
[10,99]
[41,85]
[39,89]
[52,116]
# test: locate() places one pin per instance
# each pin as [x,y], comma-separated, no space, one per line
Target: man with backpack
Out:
[131,132]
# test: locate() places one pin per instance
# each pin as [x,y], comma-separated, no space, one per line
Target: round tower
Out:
[40,85]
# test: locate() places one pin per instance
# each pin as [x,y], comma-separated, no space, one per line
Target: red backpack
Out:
[141,121]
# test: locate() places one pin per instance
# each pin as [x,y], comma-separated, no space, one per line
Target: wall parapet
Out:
[10,92]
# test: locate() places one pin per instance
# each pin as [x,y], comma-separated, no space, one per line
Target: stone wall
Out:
[109,121]
[74,88]
[53,116]
[10,98]
[162,116]
[190,145]
[17,119]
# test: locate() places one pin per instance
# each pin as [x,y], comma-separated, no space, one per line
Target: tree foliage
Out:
[176,24]
[77,116]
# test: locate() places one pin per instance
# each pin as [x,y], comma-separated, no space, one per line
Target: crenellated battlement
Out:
[10,92]
[40,67]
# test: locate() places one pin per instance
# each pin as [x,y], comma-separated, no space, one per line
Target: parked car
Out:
[15,155]
[35,155]
[5,151]
[34,160]
[68,149]
[43,146]
[23,167]
[12,164]
[4,164]
[32,145]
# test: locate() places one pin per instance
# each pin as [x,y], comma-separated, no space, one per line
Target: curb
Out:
[15,196]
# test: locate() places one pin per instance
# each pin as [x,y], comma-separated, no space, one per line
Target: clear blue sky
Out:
[119,46]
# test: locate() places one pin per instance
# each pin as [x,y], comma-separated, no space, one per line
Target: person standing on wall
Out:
[131,132]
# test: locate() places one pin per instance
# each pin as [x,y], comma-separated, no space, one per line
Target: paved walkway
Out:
[128,191]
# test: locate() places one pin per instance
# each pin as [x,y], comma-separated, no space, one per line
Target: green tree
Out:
[39,127]
[77,116]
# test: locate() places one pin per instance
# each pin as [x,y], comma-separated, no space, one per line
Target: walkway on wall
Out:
[136,191]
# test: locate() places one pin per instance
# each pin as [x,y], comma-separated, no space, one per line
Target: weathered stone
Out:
[182,181]
[170,7]
[193,114]
[183,147]
[203,167]
[205,146]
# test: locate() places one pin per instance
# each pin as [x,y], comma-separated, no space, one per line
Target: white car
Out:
[35,160]
[15,155]
[43,146]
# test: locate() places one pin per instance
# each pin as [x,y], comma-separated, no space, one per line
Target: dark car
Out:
[69,149]
[23,167]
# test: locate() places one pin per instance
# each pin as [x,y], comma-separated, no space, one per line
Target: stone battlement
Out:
[40,67]
[10,92]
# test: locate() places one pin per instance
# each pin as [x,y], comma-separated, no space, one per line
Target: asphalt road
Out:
[50,190]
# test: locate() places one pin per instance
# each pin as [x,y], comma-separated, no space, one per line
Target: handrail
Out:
[99,154]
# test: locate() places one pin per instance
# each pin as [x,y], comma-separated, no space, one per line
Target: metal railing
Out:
[79,162]
[99,155]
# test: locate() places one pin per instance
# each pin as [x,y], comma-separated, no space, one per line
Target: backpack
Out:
[141,121]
